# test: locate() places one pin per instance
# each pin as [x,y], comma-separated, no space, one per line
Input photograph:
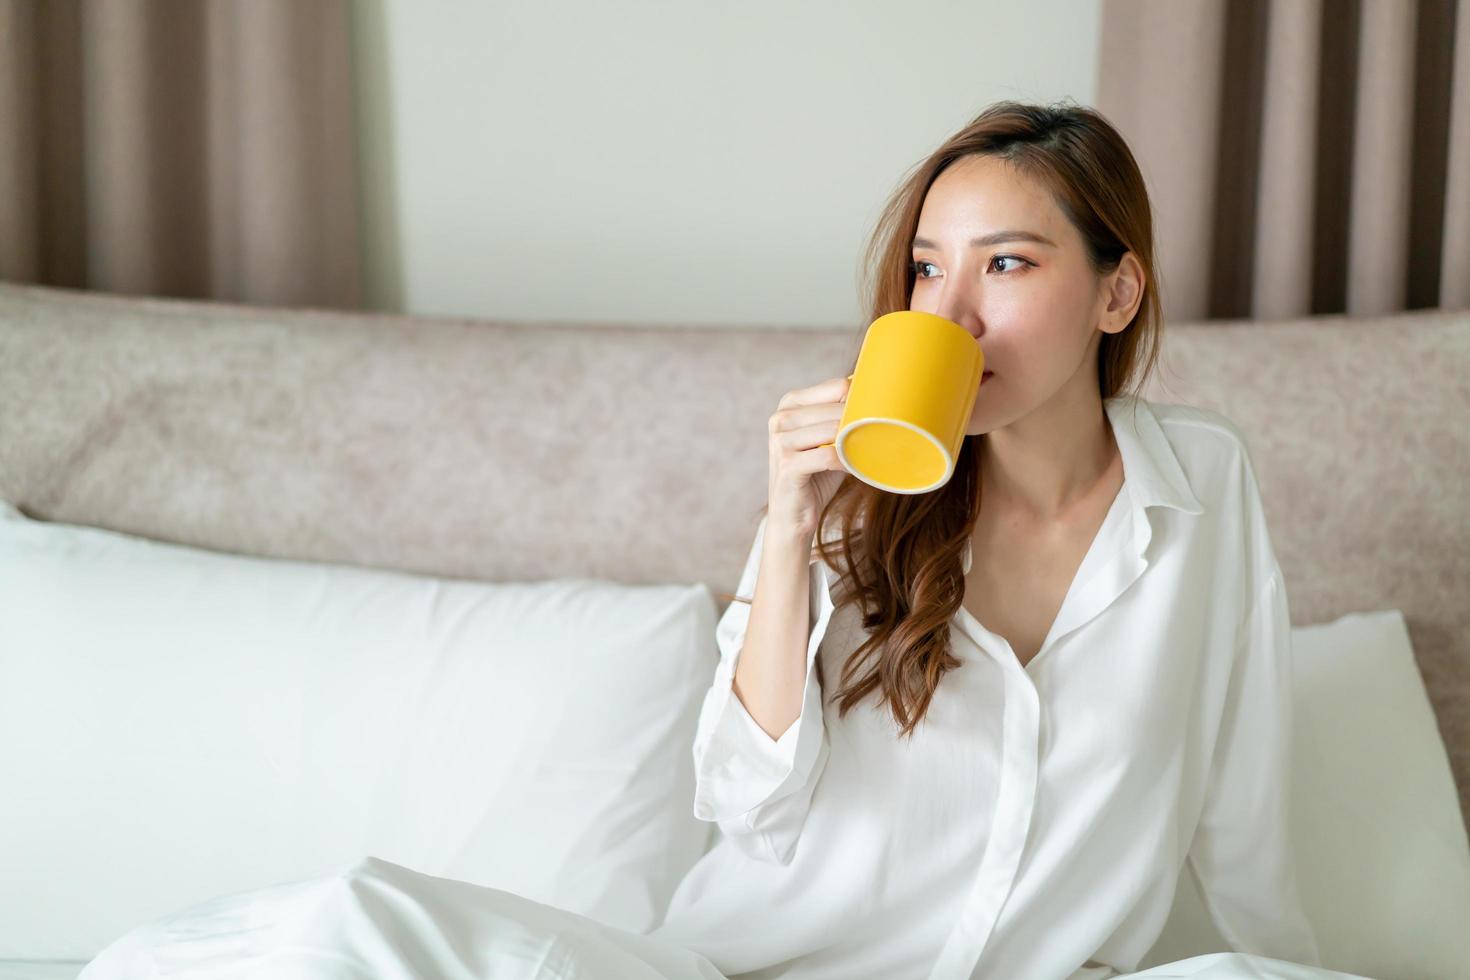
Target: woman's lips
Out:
[986,374]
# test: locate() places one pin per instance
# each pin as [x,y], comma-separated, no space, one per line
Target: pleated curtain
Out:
[1303,156]
[188,148]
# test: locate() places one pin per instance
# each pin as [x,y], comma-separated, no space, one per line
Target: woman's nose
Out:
[959,310]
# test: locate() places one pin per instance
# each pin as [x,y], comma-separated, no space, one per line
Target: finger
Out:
[822,464]
[804,437]
[826,391]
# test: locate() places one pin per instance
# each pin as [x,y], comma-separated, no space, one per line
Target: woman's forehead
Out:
[978,212]
[992,189]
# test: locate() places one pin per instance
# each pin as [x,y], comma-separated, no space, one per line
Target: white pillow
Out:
[1382,852]
[178,724]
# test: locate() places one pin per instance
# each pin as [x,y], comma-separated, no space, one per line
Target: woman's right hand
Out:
[804,468]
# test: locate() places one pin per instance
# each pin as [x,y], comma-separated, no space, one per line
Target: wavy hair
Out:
[902,555]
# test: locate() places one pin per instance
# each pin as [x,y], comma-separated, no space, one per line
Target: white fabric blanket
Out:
[381,921]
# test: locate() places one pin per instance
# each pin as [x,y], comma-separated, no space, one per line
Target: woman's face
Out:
[1035,304]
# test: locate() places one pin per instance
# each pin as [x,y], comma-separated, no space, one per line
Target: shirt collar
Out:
[1152,476]
[1150,466]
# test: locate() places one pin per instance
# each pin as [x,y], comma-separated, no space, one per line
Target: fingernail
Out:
[849,377]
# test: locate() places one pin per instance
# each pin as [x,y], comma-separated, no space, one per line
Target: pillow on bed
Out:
[178,724]
[1381,843]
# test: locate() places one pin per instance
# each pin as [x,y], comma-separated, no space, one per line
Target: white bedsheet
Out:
[381,921]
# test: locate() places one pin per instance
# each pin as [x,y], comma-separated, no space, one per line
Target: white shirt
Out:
[1036,824]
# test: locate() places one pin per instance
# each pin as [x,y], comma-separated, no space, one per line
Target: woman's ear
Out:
[1123,292]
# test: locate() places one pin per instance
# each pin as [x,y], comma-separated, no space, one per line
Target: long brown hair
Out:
[903,554]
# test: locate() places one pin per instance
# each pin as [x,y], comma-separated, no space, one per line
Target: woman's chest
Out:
[1020,573]
[1108,720]
[1020,599]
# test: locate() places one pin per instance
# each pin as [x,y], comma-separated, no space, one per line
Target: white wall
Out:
[661,162]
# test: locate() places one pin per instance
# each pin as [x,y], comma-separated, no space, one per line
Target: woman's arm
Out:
[1242,854]
[756,787]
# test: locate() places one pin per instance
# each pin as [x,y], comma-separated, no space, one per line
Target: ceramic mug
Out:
[909,401]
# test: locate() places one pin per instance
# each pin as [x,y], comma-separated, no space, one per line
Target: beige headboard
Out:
[506,451]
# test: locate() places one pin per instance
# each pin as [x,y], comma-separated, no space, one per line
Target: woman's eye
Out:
[916,267]
[1010,258]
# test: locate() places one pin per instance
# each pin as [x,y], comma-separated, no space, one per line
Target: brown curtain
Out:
[191,148]
[1304,156]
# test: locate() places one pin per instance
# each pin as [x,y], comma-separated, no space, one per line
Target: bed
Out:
[317,488]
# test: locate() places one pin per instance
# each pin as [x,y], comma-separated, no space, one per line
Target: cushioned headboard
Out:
[506,451]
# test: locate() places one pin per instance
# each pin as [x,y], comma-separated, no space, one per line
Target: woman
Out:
[1041,708]
[1059,679]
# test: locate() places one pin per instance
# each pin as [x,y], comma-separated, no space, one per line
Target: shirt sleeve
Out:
[1242,855]
[756,788]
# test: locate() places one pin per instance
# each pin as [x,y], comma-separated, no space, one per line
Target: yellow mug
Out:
[909,401]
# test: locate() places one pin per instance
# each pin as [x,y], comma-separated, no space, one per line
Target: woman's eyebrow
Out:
[995,238]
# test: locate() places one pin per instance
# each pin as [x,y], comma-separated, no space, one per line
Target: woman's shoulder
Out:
[1216,456]
[1212,450]
[1191,426]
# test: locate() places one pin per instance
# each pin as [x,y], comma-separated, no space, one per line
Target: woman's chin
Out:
[982,420]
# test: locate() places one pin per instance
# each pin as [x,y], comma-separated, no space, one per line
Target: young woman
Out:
[1049,685]
[990,744]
